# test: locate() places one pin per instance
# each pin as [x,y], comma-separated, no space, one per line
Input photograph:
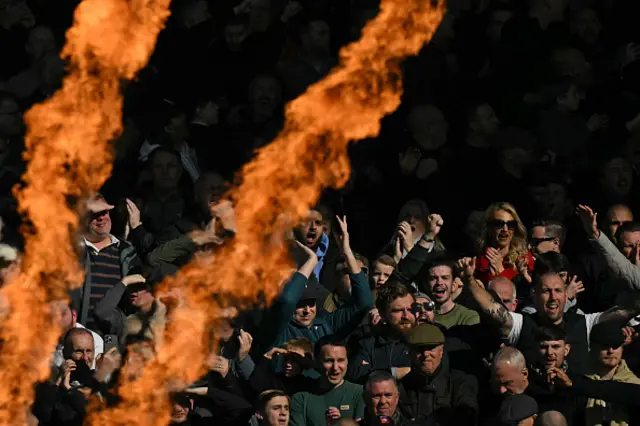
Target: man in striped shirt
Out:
[107,260]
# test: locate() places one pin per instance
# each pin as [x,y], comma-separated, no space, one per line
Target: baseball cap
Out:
[97,204]
[608,334]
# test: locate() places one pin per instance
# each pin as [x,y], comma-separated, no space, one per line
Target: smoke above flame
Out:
[69,157]
[276,190]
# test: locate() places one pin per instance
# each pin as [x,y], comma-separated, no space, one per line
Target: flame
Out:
[284,180]
[69,157]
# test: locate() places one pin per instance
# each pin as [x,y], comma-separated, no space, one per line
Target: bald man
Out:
[616,216]
[552,418]
[506,291]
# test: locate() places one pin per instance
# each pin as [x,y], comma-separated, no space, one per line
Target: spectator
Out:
[107,261]
[503,244]
[386,350]
[296,308]
[455,394]
[606,352]
[333,398]
[381,396]
[440,278]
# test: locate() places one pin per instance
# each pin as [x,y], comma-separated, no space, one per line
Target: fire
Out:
[69,157]
[285,179]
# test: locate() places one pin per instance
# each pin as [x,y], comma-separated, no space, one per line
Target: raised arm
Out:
[284,306]
[488,305]
[616,261]
[361,297]
[409,266]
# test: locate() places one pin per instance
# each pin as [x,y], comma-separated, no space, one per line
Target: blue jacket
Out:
[281,313]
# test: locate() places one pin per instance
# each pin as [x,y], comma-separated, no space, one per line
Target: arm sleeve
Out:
[607,390]
[245,367]
[591,320]
[409,266]
[361,365]
[358,411]
[282,310]
[298,410]
[361,301]
[110,318]
[617,263]
[514,335]
[171,251]
[465,403]
[237,410]
[141,239]
[262,377]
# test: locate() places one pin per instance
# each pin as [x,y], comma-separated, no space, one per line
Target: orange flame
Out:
[69,157]
[284,180]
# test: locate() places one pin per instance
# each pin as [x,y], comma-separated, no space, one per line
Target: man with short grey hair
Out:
[381,396]
[509,373]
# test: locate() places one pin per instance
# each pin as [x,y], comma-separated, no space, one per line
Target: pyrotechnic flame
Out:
[284,180]
[69,157]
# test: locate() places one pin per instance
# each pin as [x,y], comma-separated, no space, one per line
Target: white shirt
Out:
[88,243]
[514,335]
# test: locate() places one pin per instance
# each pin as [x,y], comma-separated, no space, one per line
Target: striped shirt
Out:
[106,272]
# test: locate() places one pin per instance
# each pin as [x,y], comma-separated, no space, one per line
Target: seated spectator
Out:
[333,398]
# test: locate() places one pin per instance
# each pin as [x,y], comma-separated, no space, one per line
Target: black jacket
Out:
[381,352]
[450,397]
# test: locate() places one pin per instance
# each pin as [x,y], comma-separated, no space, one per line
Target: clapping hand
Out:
[495,261]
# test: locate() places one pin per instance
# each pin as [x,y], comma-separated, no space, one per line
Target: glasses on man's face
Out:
[535,242]
[499,224]
[423,307]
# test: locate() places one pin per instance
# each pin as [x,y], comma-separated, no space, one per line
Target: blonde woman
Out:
[503,245]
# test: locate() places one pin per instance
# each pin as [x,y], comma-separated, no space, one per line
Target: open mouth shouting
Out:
[440,292]
[311,237]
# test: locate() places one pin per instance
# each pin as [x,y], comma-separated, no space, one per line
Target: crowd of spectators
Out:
[480,267]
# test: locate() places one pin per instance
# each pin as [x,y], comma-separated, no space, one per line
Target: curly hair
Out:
[518,246]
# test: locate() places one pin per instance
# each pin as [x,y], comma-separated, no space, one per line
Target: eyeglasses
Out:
[499,224]
[427,306]
[535,242]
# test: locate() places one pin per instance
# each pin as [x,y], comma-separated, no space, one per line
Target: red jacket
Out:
[483,273]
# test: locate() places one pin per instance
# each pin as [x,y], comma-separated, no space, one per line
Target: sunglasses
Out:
[419,307]
[98,215]
[499,224]
[535,242]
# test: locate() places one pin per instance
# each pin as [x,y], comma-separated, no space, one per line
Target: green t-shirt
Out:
[459,315]
[309,408]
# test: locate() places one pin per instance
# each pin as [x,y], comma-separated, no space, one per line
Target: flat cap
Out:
[425,335]
[516,408]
